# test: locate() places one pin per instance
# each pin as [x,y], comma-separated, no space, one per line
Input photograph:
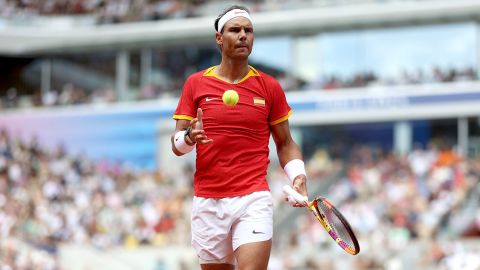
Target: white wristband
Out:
[294,168]
[181,144]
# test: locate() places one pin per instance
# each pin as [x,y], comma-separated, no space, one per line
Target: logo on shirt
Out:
[210,99]
[255,232]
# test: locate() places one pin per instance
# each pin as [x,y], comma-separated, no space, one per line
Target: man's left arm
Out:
[290,156]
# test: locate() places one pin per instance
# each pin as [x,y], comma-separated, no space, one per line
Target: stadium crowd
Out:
[366,79]
[106,11]
[392,200]
[49,198]
[71,94]
[121,11]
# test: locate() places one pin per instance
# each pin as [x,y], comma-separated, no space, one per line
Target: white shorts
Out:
[220,226]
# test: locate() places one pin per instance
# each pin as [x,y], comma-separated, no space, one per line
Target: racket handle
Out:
[295,195]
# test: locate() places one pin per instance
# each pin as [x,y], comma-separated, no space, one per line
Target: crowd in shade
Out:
[48,198]
[367,79]
[70,94]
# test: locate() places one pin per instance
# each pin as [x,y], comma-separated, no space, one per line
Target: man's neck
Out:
[232,71]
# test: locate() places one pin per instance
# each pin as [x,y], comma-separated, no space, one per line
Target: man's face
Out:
[236,40]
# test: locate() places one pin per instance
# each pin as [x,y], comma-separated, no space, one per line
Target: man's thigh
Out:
[253,256]
[255,220]
[220,226]
[211,236]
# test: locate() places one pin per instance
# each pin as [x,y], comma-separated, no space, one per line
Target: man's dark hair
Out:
[225,12]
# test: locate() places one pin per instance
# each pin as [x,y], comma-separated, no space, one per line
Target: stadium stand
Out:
[394,201]
[99,87]
[110,11]
[49,198]
[412,209]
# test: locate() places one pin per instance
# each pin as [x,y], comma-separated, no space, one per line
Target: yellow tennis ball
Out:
[230,97]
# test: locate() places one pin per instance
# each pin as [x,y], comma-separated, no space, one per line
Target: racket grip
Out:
[295,195]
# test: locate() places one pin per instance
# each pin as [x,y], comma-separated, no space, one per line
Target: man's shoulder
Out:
[265,76]
[199,74]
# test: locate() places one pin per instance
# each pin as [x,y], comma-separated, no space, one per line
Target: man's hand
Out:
[197,134]
[300,186]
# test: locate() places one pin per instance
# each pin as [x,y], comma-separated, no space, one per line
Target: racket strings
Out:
[336,224]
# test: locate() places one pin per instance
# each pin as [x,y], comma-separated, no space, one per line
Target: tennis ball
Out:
[230,97]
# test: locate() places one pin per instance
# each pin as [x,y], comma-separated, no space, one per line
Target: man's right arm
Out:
[181,126]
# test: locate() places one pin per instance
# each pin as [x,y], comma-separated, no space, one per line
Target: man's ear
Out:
[219,38]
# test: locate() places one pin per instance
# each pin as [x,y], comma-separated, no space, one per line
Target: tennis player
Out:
[232,219]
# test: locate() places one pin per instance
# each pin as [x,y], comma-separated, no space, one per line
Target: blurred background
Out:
[386,105]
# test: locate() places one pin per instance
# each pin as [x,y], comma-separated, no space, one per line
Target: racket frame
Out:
[320,216]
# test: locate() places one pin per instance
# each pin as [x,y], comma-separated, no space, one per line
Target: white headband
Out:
[230,15]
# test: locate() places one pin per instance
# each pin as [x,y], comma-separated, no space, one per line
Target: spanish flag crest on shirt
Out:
[259,101]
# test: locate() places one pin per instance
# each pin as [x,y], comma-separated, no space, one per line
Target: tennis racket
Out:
[331,219]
